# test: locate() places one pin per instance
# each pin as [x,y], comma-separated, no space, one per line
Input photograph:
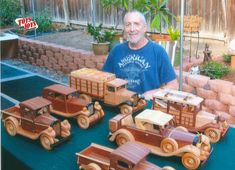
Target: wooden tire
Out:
[83,121]
[213,134]
[93,166]
[125,109]
[11,127]
[46,141]
[190,161]
[181,128]
[123,138]
[169,145]
[86,98]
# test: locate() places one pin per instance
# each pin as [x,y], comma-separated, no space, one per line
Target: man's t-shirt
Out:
[144,69]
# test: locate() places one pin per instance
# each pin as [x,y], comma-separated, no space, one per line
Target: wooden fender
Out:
[83,121]
[86,98]
[46,141]
[181,128]
[65,128]
[213,134]
[11,124]
[122,136]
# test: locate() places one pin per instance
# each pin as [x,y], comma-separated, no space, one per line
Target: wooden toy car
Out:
[31,119]
[65,102]
[186,108]
[154,129]
[106,87]
[130,155]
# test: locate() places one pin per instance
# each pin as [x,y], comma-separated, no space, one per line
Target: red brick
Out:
[227,99]
[233,90]
[197,80]
[73,66]
[39,62]
[206,94]
[24,57]
[31,60]
[79,60]
[58,55]
[221,86]
[206,109]
[28,54]
[66,70]
[56,67]
[184,75]
[188,88]
[68,58]
[229,118]
[90,64]
[52,60]
[49,53]
[44,58]
[48,65]
[62,63]
[41,51]
[215,105]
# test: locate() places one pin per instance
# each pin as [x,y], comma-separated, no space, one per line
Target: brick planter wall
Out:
[56,57]
[219,95]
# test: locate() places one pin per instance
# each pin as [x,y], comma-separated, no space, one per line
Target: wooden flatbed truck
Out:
[154,130]
[186,108]
[103,86]
[66,103]
[31,118]
[131,155]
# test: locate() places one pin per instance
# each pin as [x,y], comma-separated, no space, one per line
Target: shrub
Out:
[9,11]
[214,70]
[227,58]
[44,21]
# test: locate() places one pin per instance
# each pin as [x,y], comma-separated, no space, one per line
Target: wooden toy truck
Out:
[31,119]
[106,87]
[186,108]
[130,155]
[65,102]
[154,129]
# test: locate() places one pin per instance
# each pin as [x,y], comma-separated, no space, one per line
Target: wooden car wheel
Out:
[142,102]
[10,127]
[123,138]
[125,109]
[46,141]
[169,145]
[212,134]
[83,121]
[85,97]
[93,166]
[190,161]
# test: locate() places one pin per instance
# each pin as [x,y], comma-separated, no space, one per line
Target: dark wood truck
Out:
[66,103]
[154,129]
[32,119]
[187,110]
[103,86]
[131,155]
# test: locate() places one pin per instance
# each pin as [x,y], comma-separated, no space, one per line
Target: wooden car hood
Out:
[126,93]
[45,119]
[78,101]
[181,135]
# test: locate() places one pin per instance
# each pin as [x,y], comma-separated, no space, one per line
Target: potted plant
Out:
[102,38]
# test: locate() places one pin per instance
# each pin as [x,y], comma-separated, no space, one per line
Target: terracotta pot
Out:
[100,48]
[159,37]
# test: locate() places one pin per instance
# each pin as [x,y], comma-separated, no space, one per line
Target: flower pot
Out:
[100,48]
[159,37]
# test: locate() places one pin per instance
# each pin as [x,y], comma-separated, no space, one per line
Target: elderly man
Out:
[143,63]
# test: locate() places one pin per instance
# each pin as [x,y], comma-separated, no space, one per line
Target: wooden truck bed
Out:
[95,154]
[90,81]
[13,111]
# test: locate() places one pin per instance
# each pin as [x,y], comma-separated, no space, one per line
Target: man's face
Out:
[134,28]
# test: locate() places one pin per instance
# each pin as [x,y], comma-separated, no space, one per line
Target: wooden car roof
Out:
[35,103]
[132,151]
[178,96]
[154,117]
[117,82]
[58,88]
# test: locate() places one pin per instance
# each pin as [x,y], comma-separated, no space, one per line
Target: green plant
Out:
[9,11]
[173,33]
[214,69]
[157,10]
[100,35]
[227,58]
[44,21]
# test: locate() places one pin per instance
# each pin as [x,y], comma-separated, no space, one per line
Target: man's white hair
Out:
[139,14]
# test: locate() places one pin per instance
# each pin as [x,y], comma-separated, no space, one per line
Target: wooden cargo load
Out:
[90,81]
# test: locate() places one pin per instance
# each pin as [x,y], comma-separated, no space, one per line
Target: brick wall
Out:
[56,57]
[219,95]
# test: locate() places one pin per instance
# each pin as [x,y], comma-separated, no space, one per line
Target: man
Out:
[143,63]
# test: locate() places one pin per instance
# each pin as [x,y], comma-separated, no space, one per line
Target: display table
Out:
[9,45]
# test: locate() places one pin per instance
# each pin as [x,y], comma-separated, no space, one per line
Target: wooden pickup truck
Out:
[131,155]
[31,118]
[66,103]
[103,86]
[154,130]
[186,108]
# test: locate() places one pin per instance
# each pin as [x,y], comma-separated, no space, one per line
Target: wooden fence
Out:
[218,16]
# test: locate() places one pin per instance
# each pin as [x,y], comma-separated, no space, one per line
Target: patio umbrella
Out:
[181,43]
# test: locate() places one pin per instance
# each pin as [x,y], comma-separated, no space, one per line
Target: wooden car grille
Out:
[57,128]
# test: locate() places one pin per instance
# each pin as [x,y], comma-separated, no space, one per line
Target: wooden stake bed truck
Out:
[65,102]
[154,130]
[130,155]
[31,119]
[106,87]
[186,108]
